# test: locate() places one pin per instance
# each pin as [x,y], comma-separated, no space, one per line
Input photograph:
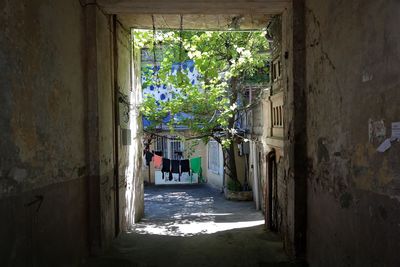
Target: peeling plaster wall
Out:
[128,83]
[42,75]
[105,89]
[52,130]
[286,169]
[135,189]
[42,133]
[124,85]
[131,190]
[353,62]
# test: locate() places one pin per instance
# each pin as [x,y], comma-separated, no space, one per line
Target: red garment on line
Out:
[157,162]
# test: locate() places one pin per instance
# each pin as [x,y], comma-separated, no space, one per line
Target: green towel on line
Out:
[195,166]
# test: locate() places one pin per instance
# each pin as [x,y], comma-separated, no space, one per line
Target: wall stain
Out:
[323,153]
[382,212]
[346,199]
[384,175]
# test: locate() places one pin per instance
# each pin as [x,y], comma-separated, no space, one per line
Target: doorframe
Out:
[116,127]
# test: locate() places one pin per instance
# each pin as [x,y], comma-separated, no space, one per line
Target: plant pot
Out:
[238,195]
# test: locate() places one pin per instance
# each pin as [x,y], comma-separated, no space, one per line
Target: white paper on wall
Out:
[384,146]
[396,129]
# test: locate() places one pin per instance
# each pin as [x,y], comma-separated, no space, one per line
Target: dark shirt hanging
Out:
[149,157]
[175,167]
[166,166]
[185,166]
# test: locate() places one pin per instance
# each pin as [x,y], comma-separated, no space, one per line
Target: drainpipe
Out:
[256,186]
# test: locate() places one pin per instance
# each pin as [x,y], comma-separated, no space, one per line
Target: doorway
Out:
[271,193]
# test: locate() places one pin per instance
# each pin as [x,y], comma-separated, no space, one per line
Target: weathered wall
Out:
[119,94]
[352,62]
[105,87]
[260,131]
[215,179]
[58,152]
[285,189]
[134,210]
[42,133]
[124,87]
[292,191]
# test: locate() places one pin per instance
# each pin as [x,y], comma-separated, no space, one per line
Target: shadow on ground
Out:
[192,210]
[195,226]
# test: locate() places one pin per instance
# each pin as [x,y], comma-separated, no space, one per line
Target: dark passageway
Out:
[72,138]
[195,226]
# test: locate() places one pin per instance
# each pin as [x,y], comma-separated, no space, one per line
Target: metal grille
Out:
[277,116]
[176,149]
[160,144]
[171,149]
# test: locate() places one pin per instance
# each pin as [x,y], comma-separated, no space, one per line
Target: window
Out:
[277,116]
[276,70]
[160,144]
[213,156]
[171,149]
[175,149]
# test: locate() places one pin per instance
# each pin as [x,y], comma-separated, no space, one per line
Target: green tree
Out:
[226,61]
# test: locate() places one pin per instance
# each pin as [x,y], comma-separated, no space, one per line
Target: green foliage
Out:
[234,185]
[225,62]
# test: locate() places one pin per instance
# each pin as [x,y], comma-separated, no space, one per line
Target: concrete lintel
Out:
[194,7]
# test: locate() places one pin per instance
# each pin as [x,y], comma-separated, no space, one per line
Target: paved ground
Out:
[195,226]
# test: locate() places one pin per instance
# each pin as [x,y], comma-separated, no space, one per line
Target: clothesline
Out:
[150,155]
[178,166]
[178,138]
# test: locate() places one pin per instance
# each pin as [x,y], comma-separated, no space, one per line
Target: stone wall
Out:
[42,133]
[353,96]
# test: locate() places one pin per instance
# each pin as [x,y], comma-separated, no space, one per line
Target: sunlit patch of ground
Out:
[195,226]
[193,210]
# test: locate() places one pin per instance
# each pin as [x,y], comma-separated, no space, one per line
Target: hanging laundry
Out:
[158,153]
[166,166]
[179,154]
[195,166]
[175,167]
[149,157]
[157,162]
[185,166]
